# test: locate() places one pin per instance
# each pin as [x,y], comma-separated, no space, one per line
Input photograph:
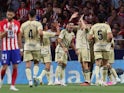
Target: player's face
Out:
[70,27]
[10,15]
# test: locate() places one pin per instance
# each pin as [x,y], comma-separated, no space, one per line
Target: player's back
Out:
[100,31]
[30,31]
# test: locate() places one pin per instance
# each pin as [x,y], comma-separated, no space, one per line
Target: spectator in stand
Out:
[114,19]
[56,7]
[4,4]
[115,4]
[48,12]
[14,4]
[31,3]
[116,25]
[102,13]
[121,44]
[116,37]
[121,15]
[39,11]
[65,16]
[22,12]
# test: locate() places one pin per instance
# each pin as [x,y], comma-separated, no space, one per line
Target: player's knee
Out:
[48,66]
[63,65]
[4,67]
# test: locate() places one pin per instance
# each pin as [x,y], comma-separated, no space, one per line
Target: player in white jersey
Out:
[113,77]
[102,36]
[46,54]
[83,47]
[31,31]
[65,39]
[10,46]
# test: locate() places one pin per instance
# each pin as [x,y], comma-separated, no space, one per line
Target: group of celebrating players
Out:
[93,43]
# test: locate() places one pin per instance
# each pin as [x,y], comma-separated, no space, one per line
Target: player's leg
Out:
[27,58]
[57,73]
[46,72]
[112,72]
[36,58]
[35,68]
[86,73]
[35,72]
[86,70]
[8,73]
[98,61]
[47,61]
[5,58]
[16,59]
[58,68]
[61,59]
[104,68]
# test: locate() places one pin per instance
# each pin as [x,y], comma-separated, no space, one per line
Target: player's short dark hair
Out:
[32,12]
[10,10]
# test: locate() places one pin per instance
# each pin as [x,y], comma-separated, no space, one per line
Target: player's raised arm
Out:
[91,36]
[83,25]
[74,15]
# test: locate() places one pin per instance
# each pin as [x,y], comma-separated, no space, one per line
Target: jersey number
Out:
[30,34]
[100,36]
[10,34]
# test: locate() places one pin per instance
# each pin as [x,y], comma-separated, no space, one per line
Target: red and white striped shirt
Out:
[10,42]
[22,12]
[39,12]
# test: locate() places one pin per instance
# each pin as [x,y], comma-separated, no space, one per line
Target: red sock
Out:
[14,75]
[3,71]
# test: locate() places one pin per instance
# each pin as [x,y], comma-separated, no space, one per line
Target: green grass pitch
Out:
[71,88]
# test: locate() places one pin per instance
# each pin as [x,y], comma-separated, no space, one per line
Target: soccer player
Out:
[102,36]
[11,42]
[83,50]
[46,53]
[31,31]
[83,47]
[65,39]
[112,73]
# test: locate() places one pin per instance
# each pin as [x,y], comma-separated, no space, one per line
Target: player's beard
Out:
[10,19]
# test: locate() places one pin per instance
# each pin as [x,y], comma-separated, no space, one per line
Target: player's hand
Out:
[65,50]
[77,52]
[74,15]
[81,18]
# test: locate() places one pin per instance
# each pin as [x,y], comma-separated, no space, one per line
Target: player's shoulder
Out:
[64,30]
[97,24]
[16,22]
[3,21]
[25,23]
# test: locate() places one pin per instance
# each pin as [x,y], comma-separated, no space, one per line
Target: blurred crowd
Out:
[51,11]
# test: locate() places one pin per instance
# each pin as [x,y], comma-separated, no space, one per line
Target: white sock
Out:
[35,71]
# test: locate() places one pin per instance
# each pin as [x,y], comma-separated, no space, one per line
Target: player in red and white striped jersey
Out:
[13,29]
[22,13]
[11,41]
